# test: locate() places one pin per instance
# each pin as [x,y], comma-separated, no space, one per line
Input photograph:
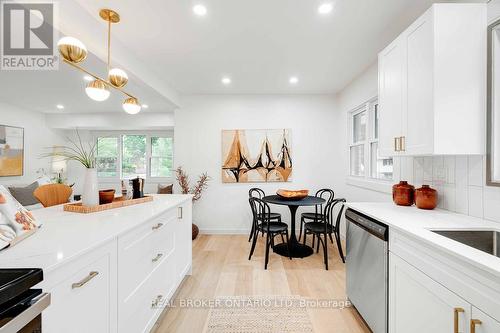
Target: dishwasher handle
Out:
[368,224]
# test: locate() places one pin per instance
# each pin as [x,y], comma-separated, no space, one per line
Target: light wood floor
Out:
[221,268]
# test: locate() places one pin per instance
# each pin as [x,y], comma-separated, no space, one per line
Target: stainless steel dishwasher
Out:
[367,271]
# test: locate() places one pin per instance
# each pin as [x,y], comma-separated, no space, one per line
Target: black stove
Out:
[20,306]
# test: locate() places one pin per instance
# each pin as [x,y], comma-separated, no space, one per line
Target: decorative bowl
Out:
[293,195]
[106,196]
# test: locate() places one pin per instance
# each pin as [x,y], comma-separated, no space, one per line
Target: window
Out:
[381,167]
[130,155]
[365,161]
[358,143]
[134,156]
[161,157]
[107,157]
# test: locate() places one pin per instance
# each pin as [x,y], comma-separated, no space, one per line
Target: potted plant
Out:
[84,154]
[196,191]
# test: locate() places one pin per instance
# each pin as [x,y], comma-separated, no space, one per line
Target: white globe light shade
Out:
[117,77]
[97,91]
[72,50]
[131,106]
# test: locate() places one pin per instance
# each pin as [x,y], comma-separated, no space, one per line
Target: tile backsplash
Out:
[460,182]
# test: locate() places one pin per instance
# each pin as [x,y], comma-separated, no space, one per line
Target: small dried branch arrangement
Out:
[76,151]
[196,191]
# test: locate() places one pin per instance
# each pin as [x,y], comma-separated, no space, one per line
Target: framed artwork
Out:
[11,151]
[256,156]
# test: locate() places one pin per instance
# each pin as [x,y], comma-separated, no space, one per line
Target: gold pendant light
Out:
[74,51]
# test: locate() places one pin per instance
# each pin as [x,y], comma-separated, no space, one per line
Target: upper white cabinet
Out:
[432,84]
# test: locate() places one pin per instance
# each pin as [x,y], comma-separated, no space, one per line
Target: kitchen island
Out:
[111,271]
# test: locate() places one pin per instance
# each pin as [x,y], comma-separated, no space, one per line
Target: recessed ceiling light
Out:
[226,80]
[200,10]
[145,106]
[325,8]
[293,80]
[60,106]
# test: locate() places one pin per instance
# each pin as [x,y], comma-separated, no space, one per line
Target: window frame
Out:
[353,144]
[149,135]
[366,180]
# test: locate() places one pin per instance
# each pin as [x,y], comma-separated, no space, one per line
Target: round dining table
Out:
[297,250]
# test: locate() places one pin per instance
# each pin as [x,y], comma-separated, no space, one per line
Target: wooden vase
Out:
[426,197]
[403,194]
[195,231]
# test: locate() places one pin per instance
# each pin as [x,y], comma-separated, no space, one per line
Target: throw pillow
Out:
[25,194]
[165,189]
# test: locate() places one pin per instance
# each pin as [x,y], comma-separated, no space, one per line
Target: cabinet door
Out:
[482,323]
[418,120]
[81,303]
[419,304]
[391,95]
[183,250]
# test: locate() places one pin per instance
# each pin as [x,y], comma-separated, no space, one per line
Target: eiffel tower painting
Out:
[253,156]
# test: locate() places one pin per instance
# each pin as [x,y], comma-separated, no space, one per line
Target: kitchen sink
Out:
[485,240]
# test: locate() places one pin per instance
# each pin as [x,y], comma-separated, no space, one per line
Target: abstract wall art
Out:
[255,156]
[11,151]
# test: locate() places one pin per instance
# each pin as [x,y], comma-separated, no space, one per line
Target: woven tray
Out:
[117,203]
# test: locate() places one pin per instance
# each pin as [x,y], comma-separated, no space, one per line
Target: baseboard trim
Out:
[212,231]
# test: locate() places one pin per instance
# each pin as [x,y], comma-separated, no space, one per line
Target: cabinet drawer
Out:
[81,303]
[139,311]
[143,249]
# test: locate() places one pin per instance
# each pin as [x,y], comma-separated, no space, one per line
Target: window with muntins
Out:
[365,160]
[130,155]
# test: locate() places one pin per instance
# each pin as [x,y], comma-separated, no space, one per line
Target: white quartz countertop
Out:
[65,235]
[418,223]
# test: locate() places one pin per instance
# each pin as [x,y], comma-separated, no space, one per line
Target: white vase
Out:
[90,195]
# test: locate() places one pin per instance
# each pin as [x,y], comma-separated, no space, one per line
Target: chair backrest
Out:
[328,195]
[333,214]
[259,209]
[53,194]
[256,193]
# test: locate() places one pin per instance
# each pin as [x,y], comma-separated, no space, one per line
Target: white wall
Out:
[37,137]
[314,125]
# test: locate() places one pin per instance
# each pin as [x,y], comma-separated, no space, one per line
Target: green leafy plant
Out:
[76,151]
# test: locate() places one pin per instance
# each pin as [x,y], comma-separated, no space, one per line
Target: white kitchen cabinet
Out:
[82,301]
[184,248]
[392,62]
[152,262]
[419,304]
[432,81]
[482,323]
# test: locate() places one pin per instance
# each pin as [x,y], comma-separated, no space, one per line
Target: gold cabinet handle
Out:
[456,312]
[179,213]
[396,144]
[473,324]
[157,226]
[84,280]
[403,143]
[158,256]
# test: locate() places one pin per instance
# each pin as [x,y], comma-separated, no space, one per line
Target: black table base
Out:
[298,250]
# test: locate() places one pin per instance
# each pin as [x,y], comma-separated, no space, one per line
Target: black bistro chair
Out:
[319,210]
[327,227]
[263,223]
[258,193]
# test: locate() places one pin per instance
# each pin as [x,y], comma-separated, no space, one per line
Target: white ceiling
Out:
[258,43]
